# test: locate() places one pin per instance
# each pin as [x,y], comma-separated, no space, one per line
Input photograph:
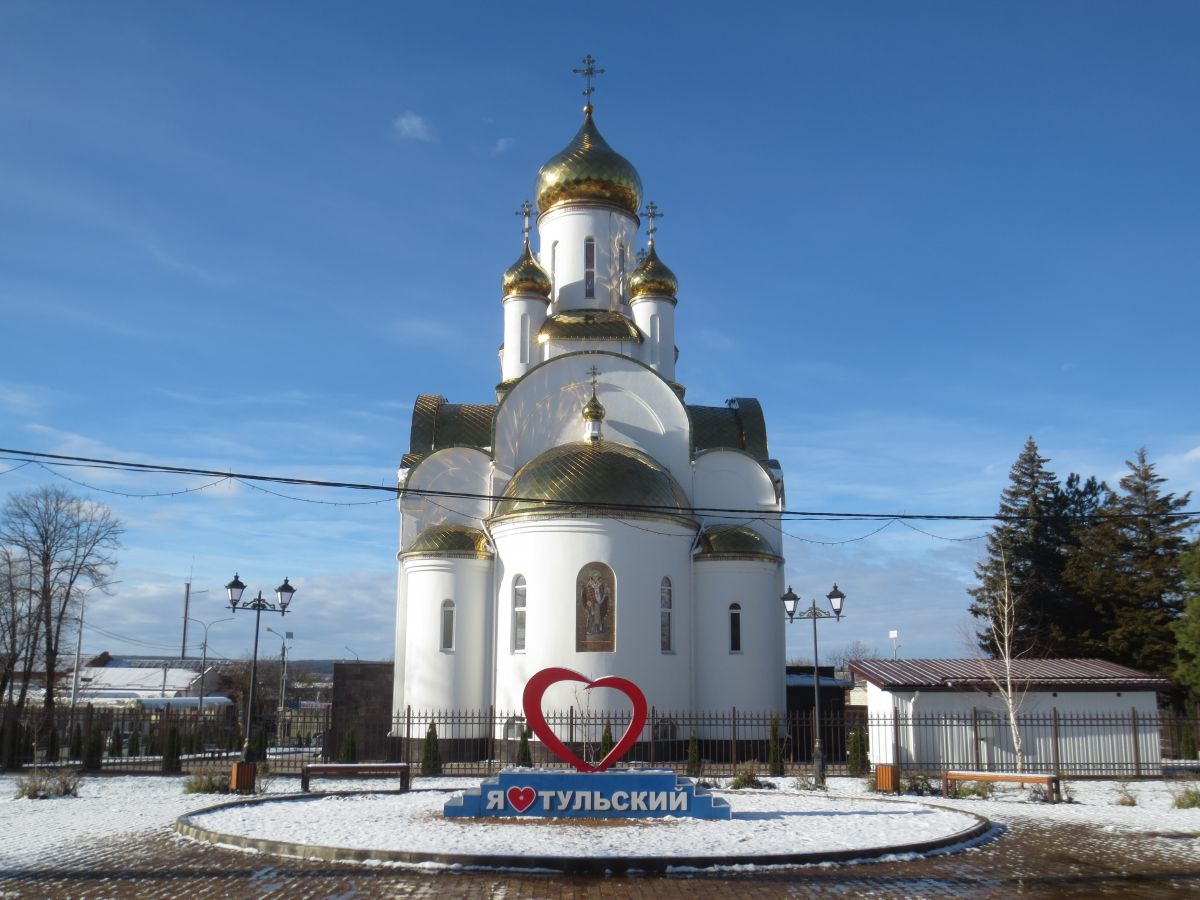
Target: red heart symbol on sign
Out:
[521,798]
[532,701]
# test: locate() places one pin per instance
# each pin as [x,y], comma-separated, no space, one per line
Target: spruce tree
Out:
[524,755]
[1127,566]
[774,749]
[115,744]
[172,751]
[1025,545]
[606,741]
[135,743]
[1187,629]
[348,752]
[75,748]
[694,766]
[431,758]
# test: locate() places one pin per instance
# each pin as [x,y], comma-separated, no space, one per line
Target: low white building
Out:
[1075,716]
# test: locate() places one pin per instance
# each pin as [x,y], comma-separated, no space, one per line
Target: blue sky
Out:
[245,236]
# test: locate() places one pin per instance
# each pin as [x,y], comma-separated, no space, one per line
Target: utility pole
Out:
[187,597]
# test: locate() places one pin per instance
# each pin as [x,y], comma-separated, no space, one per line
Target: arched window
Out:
[664,603]
[589,268]
[447,624]
[735,628]
[518,614]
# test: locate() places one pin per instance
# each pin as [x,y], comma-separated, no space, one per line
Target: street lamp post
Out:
[244,772]
[204,658]
[790,601]
[283,654]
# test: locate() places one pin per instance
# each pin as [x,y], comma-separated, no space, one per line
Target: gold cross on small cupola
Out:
[652,212]
[593,412]
[588,72]
[526,210]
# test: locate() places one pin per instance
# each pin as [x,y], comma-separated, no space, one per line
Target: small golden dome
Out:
[593,410]
[652,277]
[526,276]
[589,169]
[450,541]
[732,540]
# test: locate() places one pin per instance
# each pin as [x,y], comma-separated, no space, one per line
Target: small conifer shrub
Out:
[348,751]
[431,758]
[524,755]
[775,749]
[695,767]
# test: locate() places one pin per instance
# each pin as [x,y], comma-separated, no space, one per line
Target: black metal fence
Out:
[479,743]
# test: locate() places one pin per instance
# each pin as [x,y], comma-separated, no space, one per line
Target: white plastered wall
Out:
[730,479]
[568,227]
[752,679]
[436,678]
[523,316]
[655,316]
[549,553]
[544,410]
[452,470]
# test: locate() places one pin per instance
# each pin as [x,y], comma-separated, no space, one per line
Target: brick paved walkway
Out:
[1030,857]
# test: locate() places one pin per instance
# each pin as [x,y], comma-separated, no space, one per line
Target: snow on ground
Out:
[35,832]
[766,822]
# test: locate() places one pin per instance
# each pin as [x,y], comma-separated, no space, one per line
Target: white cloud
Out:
[503,145]
[411,127]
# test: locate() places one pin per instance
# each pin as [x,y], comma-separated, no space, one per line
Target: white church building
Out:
[582,519]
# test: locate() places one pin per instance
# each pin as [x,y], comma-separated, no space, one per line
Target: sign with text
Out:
[553,793]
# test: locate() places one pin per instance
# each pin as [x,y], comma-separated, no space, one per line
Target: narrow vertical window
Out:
[664,603]
[518,614]
[447,624]
[735,628]
[621,271]
[655,341]
[525,337]
[589,268]
[554,271]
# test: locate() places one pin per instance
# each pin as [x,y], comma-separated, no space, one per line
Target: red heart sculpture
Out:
[521,798]
[532,701]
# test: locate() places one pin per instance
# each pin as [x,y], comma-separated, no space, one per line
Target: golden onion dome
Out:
[526,276]
[652,277]
[602,476]
[589,169]
[451,541]
[593,410]
[732,540]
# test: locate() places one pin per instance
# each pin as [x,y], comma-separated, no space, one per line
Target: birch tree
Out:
[61,547]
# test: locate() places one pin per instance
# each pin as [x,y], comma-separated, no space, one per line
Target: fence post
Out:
[1137,752]
[653,718]
[571,725]
[1054,731]
[733,737]
[896,740]
[407,733]
[975,739]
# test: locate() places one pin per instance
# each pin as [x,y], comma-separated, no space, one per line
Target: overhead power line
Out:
[54,459]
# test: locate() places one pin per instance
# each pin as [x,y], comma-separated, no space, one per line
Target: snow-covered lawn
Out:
[36,832]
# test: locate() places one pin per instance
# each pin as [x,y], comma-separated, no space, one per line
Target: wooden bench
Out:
[950,781]
[353,770]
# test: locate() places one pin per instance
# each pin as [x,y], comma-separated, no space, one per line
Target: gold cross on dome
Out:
[652,212]
[525,210]
[588,72]
[595,373]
